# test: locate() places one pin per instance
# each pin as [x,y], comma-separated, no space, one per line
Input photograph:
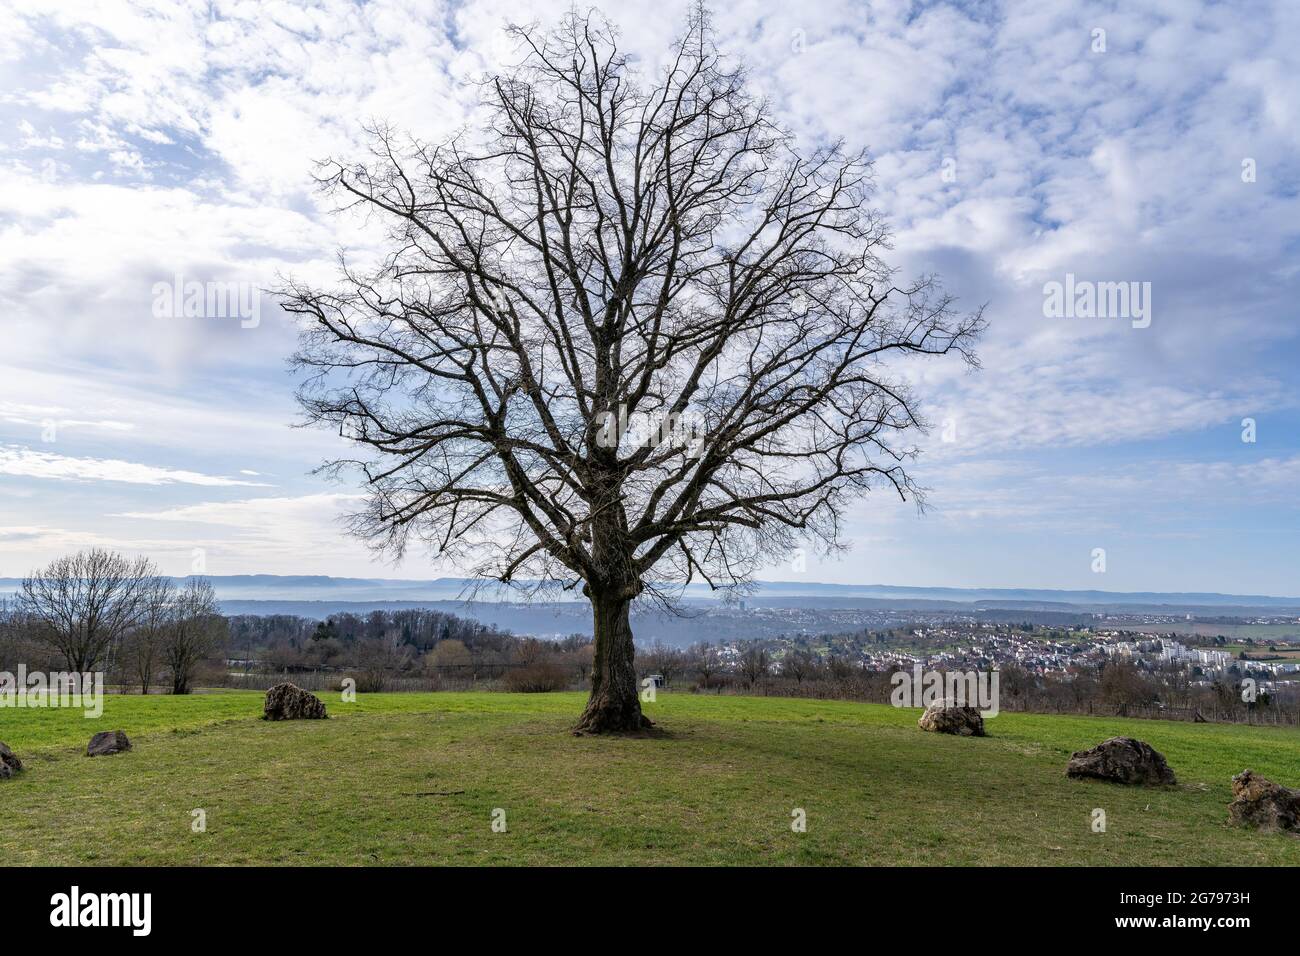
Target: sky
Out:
[1016,145]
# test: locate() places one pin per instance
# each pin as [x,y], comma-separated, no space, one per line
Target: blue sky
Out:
[1014,144]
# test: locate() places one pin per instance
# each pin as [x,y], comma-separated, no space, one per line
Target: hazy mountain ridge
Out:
[254,587]
[769,609]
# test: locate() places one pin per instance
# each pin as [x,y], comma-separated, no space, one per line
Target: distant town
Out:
[1045,651]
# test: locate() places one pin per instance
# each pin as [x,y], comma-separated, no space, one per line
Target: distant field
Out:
[1235,632]
[414,779]
[1283,651]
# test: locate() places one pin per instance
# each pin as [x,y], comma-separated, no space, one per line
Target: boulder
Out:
[1263,804]
[107,742]
[289,702]
[1122,760]
[946,717]
[9,763]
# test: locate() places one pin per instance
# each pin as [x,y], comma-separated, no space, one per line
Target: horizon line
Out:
[756,582]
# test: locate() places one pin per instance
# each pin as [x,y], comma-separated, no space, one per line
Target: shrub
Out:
[540,677]
[371,681]
[713,682]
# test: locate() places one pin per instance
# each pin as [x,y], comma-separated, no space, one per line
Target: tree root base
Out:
[606,724]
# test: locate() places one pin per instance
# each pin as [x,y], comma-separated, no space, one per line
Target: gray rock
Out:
[107,742]
[946,717]
[289,702]
[1263,804]
[1122,760]
[9,763]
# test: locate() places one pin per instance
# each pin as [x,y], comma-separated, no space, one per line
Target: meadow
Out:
[398,779]
[1233,631]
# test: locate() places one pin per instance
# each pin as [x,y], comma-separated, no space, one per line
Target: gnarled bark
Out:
[615,704]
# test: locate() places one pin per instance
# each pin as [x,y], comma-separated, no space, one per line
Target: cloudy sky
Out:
[1015,144]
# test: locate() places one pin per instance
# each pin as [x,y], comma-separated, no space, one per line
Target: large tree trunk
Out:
[615,704]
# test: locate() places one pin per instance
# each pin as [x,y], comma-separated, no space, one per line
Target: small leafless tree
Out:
[83,604]
[1123,686]
[194,631]
[614,249]
[581,659]
[666,661]
[799,664]
[707,662]
[142,648]
[840,667]
[754,664]
[379,660]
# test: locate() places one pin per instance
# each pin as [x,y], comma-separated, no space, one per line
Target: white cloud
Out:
[55,418]
[286,515]
[28,463]
[287,535]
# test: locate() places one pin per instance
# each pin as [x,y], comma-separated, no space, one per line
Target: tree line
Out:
[101,611]
[98,610]
[415,649]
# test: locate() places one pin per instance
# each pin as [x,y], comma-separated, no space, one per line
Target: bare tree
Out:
[18,641]
[194,631]
[665,660]
[142,648]
[754,664]
[379,659]
[85,603]
[1123,686]
[614,249]
[707,662]
[799,664]
[584,658]
[840,667]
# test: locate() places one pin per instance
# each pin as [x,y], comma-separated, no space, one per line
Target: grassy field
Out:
[1261,652]
[1260,632]
[414,779]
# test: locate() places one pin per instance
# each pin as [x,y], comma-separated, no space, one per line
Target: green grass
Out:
[414,778]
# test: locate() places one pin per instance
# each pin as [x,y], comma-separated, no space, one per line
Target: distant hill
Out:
[261,587]
[281,588]
[770,608]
